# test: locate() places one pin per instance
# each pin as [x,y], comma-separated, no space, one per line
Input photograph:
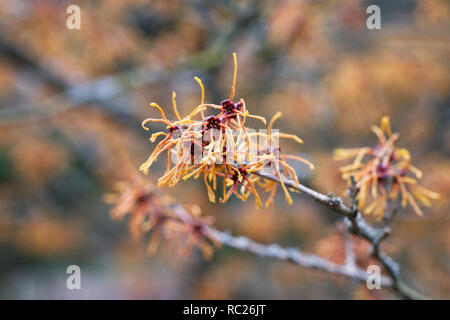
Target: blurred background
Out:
[72,101]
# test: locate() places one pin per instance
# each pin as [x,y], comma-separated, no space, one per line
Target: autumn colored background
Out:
[70,119]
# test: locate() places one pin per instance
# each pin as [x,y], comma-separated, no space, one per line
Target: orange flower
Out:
[220,146]
[388,174]
[159,214]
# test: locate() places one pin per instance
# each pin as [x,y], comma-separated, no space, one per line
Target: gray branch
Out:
[358,226]
[295,256]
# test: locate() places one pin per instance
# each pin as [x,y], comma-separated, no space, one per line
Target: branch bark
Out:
[295,256]
[275,251]
[358,226]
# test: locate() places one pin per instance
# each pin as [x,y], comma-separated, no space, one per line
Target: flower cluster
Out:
[221,149]
[388,174]
[150,211]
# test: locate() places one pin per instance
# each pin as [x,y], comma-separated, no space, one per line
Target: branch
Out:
[295,256]
[106,92]
[275,251]
[21,55]
[350,258]
[358,226]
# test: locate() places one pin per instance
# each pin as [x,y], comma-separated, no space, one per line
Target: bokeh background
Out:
[71,104]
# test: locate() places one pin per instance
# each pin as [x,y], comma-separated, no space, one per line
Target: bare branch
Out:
[358,226]
[275,251]
[350,258]
[293,255]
